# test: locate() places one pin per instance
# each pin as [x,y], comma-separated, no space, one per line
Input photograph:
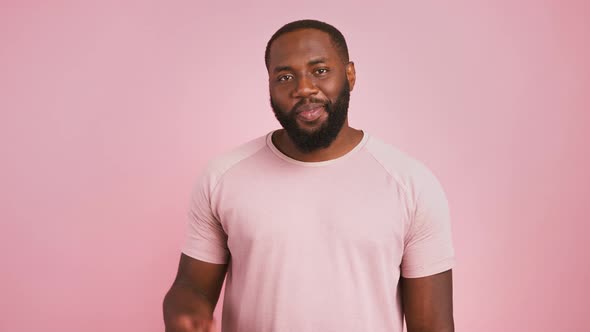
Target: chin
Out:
[312,126]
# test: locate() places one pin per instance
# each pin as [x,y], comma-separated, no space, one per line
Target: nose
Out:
[305,87]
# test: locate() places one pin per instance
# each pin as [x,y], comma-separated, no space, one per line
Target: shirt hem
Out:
[204,257]
[438,267]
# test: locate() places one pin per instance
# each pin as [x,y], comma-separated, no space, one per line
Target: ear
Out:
[350,74]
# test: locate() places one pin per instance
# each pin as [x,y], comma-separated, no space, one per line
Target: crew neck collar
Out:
[288,159]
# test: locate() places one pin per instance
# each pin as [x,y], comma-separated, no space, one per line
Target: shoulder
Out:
[411,174]
[220,164]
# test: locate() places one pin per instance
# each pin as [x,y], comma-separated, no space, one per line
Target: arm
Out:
[428,303]
[189,304]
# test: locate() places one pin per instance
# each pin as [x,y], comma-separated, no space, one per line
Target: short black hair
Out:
[336,36]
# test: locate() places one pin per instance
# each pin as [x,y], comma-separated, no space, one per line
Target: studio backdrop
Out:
[111,109]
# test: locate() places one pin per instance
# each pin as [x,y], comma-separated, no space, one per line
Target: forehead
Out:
[300,46]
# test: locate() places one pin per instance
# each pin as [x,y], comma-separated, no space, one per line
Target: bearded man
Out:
[317,226]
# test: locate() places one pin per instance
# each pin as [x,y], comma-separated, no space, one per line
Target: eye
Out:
[321,71]
[284,78]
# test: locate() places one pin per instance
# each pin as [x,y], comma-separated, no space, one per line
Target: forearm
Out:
[185,309]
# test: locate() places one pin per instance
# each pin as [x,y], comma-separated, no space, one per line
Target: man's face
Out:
[309,88]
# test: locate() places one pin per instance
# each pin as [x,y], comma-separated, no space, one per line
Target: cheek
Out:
[281,97]
[330,90]
[279,91]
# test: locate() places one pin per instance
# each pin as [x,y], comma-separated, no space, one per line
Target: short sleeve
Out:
[206,240]
[428,247]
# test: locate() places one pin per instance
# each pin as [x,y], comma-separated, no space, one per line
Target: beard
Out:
[321,138]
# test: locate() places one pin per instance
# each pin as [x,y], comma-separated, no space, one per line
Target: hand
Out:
[190,324]
[204,326]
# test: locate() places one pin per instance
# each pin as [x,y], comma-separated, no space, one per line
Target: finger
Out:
[213,326]
[203,326]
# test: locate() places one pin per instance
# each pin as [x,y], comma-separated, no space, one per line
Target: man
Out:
[319,226]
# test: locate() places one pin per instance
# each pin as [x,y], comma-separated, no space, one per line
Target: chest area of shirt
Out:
[369,213]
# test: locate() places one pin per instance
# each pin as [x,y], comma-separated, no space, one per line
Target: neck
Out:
[345,141]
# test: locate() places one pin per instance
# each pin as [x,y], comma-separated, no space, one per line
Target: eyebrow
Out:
[311,62]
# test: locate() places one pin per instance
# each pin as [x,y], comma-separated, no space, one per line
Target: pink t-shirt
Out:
[318,246]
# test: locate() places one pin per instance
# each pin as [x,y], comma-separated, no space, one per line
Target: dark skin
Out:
[428,303]
[304,64]
[189,304]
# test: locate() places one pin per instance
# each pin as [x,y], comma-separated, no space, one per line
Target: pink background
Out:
[111,109]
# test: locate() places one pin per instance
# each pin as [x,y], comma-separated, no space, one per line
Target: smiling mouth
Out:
[310,114]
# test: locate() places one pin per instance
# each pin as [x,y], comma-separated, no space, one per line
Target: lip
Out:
[310,115]
[308,107]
